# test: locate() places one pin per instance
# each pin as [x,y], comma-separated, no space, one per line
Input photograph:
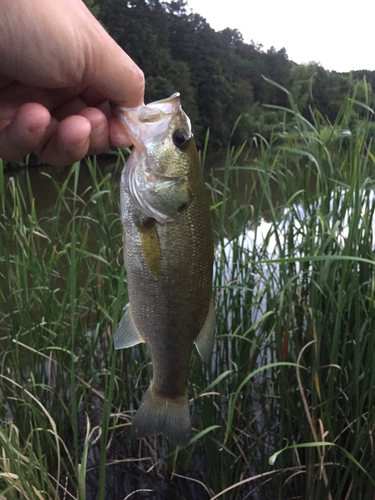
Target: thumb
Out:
[115,75]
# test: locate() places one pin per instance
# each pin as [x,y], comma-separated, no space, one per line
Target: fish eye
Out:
[181,139]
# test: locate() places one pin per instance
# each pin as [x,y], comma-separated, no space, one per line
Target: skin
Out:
[59,70]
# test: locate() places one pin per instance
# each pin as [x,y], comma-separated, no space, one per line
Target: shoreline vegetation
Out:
[218,75]
[285,407]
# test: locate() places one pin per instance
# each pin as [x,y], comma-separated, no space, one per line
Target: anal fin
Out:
[205,340]
[127,334]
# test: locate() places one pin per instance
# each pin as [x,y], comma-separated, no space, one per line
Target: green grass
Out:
[285,408]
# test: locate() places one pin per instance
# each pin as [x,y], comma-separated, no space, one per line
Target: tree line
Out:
[218,75]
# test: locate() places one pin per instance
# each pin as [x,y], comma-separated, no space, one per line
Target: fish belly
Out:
[169,279]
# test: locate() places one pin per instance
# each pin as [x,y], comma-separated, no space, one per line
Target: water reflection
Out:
[268,255]
[238,270]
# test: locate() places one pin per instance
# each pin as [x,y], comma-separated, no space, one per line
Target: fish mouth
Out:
[151,121]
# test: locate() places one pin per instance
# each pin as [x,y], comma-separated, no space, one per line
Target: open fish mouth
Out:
[151,122]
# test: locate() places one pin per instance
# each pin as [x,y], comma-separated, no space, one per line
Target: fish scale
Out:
[168,259]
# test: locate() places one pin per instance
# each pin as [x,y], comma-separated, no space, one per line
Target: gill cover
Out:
[161,193]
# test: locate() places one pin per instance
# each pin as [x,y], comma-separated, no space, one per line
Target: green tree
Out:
[218,75]
[277,68]
[93,7]
[301,79]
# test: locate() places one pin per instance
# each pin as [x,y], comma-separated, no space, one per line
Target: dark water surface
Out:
[242,179]
[124,477]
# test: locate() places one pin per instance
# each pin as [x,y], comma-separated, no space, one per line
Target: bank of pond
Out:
[284,408]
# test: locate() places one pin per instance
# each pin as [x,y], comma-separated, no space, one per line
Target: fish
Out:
[168,254]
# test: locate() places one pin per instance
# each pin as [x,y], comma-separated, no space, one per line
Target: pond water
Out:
[241,179]
[126,477]
[122,478]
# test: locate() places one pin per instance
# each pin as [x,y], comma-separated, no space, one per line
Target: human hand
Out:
[59,69]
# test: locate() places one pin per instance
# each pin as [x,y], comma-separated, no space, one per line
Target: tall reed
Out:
[284,409]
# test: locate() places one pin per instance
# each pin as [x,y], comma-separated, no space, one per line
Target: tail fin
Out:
[169,417]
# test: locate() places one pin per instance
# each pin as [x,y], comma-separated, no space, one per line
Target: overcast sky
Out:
[338,34]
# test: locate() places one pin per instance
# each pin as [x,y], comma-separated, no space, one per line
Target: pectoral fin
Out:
[127,334]
[205,340]
[150,245]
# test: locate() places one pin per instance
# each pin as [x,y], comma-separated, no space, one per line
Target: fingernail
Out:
[36,129]
[95,132]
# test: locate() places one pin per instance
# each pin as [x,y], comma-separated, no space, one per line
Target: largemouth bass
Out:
[168,251]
